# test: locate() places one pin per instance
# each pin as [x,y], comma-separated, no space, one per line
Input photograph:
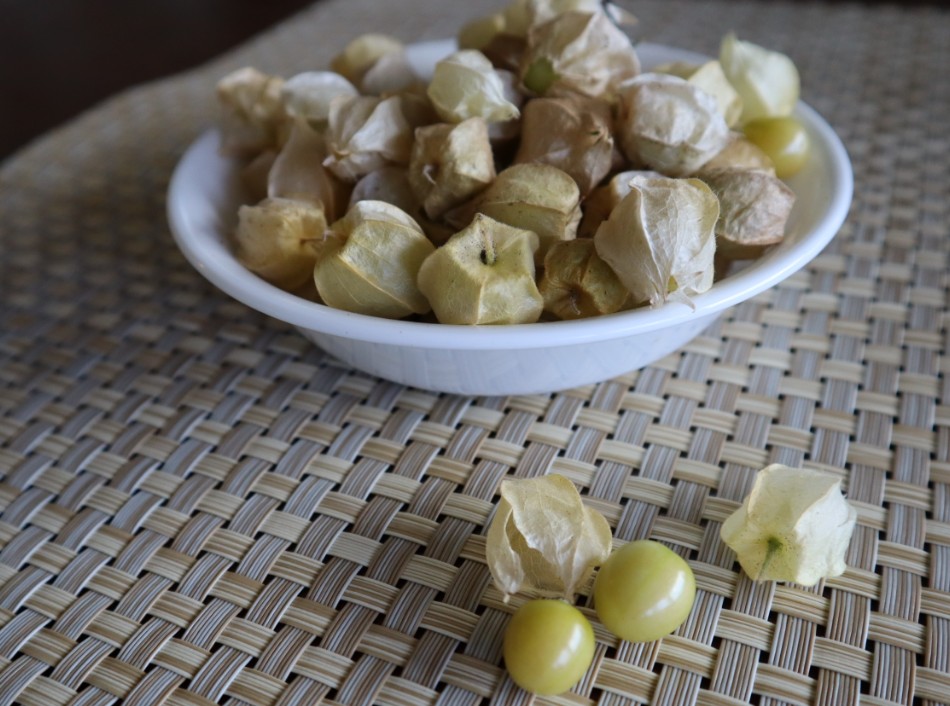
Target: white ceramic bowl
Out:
[501,360]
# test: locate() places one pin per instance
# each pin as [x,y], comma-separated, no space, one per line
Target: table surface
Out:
[197,506]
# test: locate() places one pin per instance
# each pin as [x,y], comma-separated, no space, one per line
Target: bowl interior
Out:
[204,196]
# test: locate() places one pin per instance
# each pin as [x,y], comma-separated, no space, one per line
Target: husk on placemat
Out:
[199,507]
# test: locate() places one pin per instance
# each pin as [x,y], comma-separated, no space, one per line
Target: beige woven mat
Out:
[198,507]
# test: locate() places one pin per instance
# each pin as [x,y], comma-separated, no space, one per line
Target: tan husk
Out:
[365,133]
[298,172]
[252,113]
[709,77]
[794,526]
[754,207]
[275,239]
[740,153]
[543,539]
[535,197]
[669,125]
[602,200]
[573,134]
[466,85]
[484,274]
[361,53]
[660,239]
[369,261]
[450,163]
[578,52]
[577,283]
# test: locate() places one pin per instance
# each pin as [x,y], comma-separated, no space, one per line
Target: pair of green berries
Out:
[642,592]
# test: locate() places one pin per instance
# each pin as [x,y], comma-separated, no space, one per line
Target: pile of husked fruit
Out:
[539,174]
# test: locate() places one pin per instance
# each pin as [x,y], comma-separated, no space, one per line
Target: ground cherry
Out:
[643,591]
[783,139]
[548,646]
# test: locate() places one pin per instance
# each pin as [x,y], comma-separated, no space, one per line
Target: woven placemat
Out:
[197,506]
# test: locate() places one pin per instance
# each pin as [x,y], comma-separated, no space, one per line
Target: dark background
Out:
[59,57]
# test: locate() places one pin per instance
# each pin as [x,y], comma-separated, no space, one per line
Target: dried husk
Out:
[669,125]
[389,184]
[573,134]
[450,164]
[709,77]
[543,539]
[754,207]
[365,133]
[604,199]
[480,32]
[298,172]
[390,73]
[308,95]
[577,283]
[361,53]
[535,197]
[794,526]
[254,177]
[483,275]
[252,113]
[369,261]
[578,53]
[466,85]
[275,239]
[740,153]
[767,81]
[660,239]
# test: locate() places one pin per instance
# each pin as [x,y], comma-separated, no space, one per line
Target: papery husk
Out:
[604,199]
[480,32]
[709,77]
[252,114]
[361,53]
[275,239]
[577,283]
[505,51]
[740,153]
[794,526]
[450,163]
[365,133]
[767,81]
[390,73]
[483,275]
[466,85]
[543,539]
[669,125]
[578,53]
[754,207]
[660,239]
[389,184]
[535,197]
[369,261]
[573,134]
[253,177]
[298,172]
[308,95]
[506,132]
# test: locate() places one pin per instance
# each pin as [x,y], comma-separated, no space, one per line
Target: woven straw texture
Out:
[199,507]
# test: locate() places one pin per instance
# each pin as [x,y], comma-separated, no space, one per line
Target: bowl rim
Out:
[204,252]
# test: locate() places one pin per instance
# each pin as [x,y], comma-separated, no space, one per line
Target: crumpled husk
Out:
[543,539]
[252,113]
[709,77]
[660,239]
[308,95]
[754,207]
[365,133]
[578,53]
[766,80]
[298,172]
[669,125]
[573,134]
[794,526]
[466,85]
[450,163]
